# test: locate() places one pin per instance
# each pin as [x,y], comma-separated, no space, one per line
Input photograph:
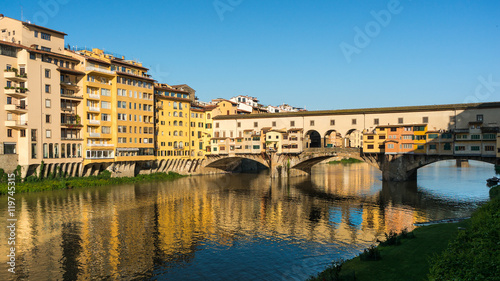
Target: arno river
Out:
[228,227]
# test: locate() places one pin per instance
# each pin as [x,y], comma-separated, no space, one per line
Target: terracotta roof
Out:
[38,51]
[123,62]
[295,129]
[69,70]
[171,98]
[135,76]
[44,28]
[170,89]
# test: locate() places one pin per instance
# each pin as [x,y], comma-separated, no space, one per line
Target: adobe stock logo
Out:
[49,9]
[223,6]
[363,37]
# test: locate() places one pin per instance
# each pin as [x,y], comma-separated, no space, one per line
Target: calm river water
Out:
[228,227]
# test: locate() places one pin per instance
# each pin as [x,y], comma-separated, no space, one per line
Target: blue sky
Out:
[428,52]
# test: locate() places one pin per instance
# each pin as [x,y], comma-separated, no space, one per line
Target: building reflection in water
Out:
[140,231]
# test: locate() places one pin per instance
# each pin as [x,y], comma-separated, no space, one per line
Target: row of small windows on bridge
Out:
[354,121]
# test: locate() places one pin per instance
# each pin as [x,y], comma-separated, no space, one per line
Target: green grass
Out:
[346,161]
[407,261]
[101,180]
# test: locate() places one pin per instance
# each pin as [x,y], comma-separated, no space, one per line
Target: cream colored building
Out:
[41,97]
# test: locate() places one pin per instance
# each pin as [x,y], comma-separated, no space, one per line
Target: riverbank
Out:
[346,161]
[453,251]
[103,179]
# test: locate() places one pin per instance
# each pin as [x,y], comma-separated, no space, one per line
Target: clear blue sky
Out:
[429,52]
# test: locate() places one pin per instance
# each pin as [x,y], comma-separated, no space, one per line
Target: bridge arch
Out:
[332,138]
[312,139]
[250,162]
[353,138]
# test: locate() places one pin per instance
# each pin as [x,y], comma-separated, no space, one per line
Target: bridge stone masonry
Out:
[427,134]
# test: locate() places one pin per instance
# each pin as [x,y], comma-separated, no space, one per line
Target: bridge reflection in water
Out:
[215,227]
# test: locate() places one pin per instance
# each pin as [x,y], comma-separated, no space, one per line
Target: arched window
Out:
[175,144]
[51,150]
[45,151]
[175,133]
[180,133]
[180,114]
[68,150]
[74,150]
[79,151]
[63,150]
[56,150]
[175,123]
[175,114]
[180,123]
[208,116]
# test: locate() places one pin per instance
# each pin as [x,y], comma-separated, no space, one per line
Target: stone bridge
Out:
[281,165]
[403,167]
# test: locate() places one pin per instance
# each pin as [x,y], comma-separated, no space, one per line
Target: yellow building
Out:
[118,112]
[173,123]
[420,138]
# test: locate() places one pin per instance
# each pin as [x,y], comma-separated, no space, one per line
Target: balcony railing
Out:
[12,75]
[94,96]
[91,68]
[69,84]
[94,109]
[100,145]
[73,96]
[16,107]
[94,135]
[94,122]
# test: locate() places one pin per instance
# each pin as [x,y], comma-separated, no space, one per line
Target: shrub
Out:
[370,254]
[475,253]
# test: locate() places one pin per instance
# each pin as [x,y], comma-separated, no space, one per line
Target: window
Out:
[489,148]
[47,73]
[47,118]
[400,120]
[292,123]
[45,36]
[9,133]
[332,122]
[432,147]
[239,124]
[36,33]
[47,103]
[47,89]
[459,148]
[32,56]
[370,146]
[425,120]
[46,49]
[48,133]
[479,118]
[475,148]
[376,121]
[311,122]
[475,137]
[353,121]
[390,145]
[274,123]
[256,124]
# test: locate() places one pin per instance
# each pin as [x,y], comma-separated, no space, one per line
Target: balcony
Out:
[94,135]
[13,76]
[94,97]
[67,108]
[71,124]
[72,96]
[94,109]
[94,122]
[69,84]
[101,70]
[16,108]
[159,106]
[16,92]
[100,145]
[15,124]
[69,138]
